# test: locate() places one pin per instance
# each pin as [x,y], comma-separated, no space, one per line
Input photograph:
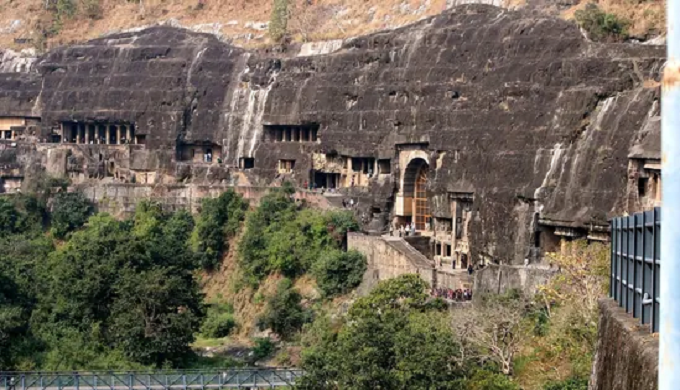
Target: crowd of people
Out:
[460,295]
[404,230]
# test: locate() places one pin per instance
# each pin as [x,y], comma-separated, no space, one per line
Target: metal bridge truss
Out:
[158,380]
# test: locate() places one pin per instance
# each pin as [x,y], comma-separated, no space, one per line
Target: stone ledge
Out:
[627,354]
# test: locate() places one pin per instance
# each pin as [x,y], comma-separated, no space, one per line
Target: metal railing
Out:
[635,265]
[252,378]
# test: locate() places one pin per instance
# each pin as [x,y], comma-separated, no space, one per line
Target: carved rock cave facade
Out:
[500,133]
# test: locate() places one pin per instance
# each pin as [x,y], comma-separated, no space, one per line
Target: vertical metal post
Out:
[612,259]
[669,351]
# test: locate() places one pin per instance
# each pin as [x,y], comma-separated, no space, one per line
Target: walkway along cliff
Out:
[498,133]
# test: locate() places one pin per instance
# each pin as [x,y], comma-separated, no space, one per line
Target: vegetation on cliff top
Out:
[57,22]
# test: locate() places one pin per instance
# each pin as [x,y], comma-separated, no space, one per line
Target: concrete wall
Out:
[498,279]
[627,355]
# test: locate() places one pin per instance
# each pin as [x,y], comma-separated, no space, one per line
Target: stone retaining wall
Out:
[499,279]
[627,355]
[389,257]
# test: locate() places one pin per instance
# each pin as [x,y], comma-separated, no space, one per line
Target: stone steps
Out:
[411,253]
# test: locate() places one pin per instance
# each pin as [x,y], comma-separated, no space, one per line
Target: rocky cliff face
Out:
[516,110]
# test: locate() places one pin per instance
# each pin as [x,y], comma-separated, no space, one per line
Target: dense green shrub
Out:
[390,339]
[284,313]
[279,237]
[569,384]
[9,217]
[488,380]
[601,26]
[338,272]
[263,348]
[219,219]
[70,211]
[219,321]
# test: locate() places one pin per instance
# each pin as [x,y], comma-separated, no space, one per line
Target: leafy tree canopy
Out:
[391,339]
[70,211]
[338,272]
[285,314]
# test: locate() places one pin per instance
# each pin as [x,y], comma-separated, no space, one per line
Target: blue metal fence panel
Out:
[635,265]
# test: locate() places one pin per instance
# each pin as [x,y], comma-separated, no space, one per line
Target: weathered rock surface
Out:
[517,109]
[627,355]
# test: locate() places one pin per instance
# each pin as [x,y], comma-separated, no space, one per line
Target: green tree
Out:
[125,287]
[72,349]
[219,219]
[21,214]
[154,316]
[14,314]
[284,313]
[278,22]
[280,237]
[84,273]
[392,339]
[70,211]
[274,211]
[9,217]
[338,272]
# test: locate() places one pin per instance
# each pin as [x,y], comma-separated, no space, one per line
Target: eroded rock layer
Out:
[502,131]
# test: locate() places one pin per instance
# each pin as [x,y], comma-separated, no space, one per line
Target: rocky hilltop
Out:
[503,131]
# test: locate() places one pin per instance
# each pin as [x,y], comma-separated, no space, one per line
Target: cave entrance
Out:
[415,184]
[326,180]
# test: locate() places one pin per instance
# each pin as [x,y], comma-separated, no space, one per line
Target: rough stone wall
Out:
[515,108]
[454,280]
[121,199]
[383,261]
[388,257]
[499,279]
[519,110]
[421,244]
[627,355]
[170,83]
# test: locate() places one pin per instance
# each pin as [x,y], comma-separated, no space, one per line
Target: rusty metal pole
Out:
[669,332]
